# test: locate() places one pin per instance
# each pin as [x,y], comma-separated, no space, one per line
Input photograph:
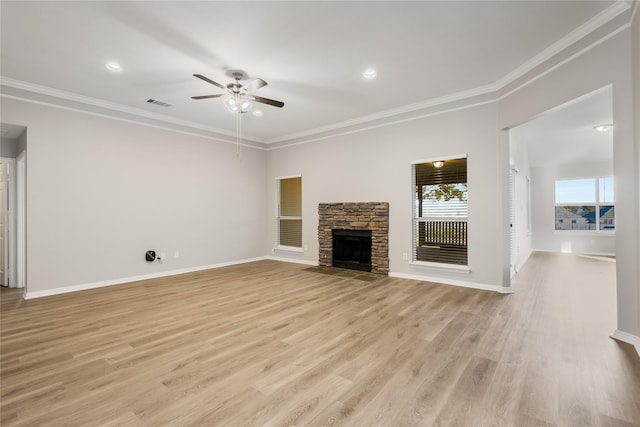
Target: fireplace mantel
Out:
[372,216]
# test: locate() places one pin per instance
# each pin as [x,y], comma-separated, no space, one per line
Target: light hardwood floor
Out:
[272,343]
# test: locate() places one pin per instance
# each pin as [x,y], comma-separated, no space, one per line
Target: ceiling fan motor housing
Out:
[237,74]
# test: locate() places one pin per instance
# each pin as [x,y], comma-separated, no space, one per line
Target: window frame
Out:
[414,219]
[596,205]
[280,217]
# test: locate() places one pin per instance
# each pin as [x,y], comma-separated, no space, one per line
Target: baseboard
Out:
[453,282]
[575,253]
[627,338]
[524,261]
[120,281]
[293,260]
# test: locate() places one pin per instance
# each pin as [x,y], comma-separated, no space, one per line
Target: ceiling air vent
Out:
[160,103]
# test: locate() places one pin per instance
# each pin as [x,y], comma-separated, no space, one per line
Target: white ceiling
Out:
[566,134]
[311,53]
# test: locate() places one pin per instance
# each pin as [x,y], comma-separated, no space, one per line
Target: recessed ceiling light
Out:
[369,73]
[603,128]
[113,66]
[257,113]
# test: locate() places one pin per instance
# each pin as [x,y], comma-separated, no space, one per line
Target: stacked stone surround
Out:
[372,216]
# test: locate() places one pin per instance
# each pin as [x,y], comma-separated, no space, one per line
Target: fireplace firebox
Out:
[361,216]
[352,249]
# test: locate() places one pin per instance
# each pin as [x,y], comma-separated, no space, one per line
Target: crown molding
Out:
[128,120]
[342,132]
[588,27]
[430,103]
[636,6]
[582,31]
[100,103]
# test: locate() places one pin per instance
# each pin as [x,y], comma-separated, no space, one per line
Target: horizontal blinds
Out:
[291,197]
[290,232]
[441,211]
[290,212]
[451,172]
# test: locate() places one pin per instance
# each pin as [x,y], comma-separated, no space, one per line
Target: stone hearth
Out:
[372,216]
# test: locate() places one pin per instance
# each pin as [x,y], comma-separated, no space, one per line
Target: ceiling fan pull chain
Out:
[238,132]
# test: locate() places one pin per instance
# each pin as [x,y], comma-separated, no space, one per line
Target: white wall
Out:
[545,237]
[375,165]
[102,191]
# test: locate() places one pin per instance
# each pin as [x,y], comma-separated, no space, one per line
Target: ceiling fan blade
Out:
[256,83]
[268,101]
[208,80]
[206,96]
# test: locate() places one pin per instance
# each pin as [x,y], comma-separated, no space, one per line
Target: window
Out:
[585,204]
[289,223]
[440,216]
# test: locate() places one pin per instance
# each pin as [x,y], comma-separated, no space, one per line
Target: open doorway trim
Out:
[16,246]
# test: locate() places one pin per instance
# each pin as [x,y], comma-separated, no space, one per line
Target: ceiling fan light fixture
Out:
[237,105]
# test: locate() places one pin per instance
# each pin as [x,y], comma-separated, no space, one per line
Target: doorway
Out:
[548,153]
[13,146]
[7,223]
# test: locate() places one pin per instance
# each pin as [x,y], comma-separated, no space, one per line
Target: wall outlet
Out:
[176,254]
[405,256]
[163,255]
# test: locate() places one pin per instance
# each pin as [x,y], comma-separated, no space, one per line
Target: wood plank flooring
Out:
[273,344]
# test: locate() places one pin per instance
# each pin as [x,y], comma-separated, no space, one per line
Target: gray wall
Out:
[101,192]
[9,148]
[375,165]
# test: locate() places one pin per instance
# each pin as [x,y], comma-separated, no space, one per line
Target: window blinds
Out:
[290,212]
[440,216]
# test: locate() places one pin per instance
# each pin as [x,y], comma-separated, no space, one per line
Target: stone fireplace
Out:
[355,217]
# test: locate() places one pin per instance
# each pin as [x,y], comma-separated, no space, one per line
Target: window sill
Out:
[442,266]
[592,233]
[288,249]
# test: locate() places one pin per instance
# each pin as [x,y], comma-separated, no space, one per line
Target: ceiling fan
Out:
[238,102]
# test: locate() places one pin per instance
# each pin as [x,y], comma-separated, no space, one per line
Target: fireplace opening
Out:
[352,249]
